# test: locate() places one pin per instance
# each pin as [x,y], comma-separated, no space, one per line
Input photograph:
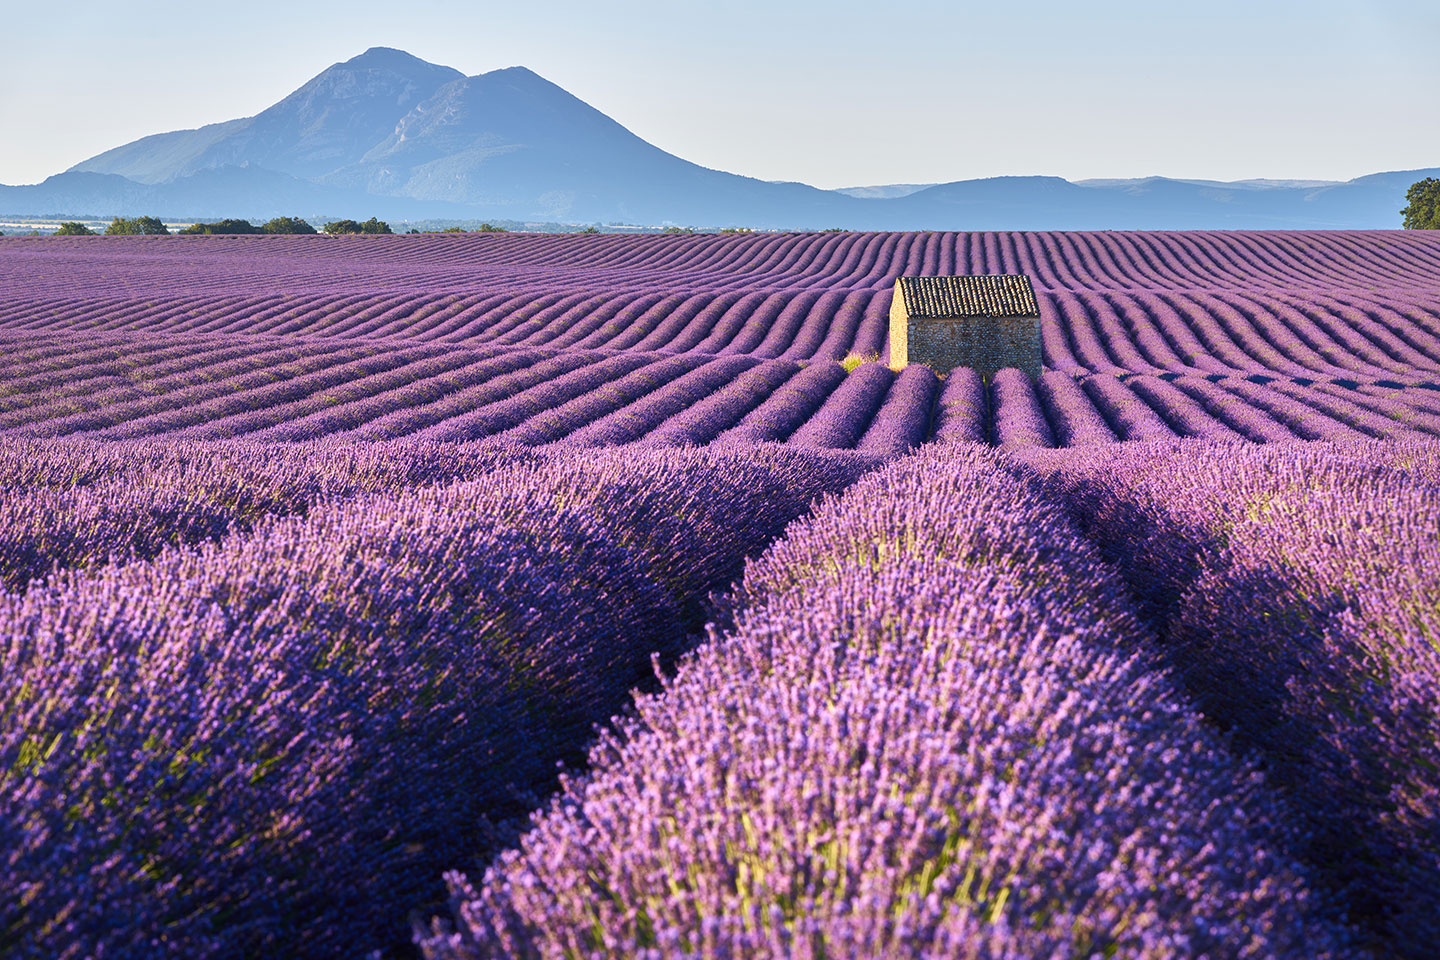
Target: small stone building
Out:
[985,322]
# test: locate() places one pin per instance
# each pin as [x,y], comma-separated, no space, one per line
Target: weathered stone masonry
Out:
[985,322]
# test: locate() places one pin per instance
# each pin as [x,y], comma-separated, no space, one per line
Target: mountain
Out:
[388,134]
[507,143]
[516,143]
[327,123]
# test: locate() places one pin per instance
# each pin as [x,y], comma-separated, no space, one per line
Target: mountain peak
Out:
[522,78]
[515,71]
[384,65]
[390,58]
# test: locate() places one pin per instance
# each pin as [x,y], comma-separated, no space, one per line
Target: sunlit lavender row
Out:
[433,625]
[939,728]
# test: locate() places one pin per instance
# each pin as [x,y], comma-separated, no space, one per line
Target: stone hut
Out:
[985,322]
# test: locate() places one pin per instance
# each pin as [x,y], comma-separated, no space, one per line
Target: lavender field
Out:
[685,340]
[511,595]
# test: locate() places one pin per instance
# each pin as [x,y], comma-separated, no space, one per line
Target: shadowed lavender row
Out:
[937,729]
[271,745]
[1297,591]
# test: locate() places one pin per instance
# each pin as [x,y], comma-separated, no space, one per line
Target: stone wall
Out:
[986,343]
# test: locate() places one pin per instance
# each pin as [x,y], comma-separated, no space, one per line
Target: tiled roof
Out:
[981,296]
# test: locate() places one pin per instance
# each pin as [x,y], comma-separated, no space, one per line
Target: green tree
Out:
[288,225]
[137,225]
[1422,206]
[222,226]
[453,230]
[491,228]
[350,226]
[73,228]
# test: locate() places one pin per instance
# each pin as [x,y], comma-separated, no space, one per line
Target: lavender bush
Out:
[938,729]
[1296,588]
[76,503]
[271,745]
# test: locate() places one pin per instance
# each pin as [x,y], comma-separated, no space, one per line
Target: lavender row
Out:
[273,390]
[704,421]
[1059,410]
[1322,335]
[649,413]
[962,411]
[938,729]
[1182,260]
[841,420]
[789,407]
[799,326]
[1297,588]
[271,745]
[117,399]
[1203,307]
[904,419]
[79,503]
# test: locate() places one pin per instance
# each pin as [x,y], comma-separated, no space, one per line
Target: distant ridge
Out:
[884,191]
[386,133]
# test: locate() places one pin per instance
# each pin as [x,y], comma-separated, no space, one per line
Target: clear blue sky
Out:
[830,93]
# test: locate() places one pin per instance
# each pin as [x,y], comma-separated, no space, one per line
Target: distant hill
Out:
[1157,203]
[884,191]
[389,134]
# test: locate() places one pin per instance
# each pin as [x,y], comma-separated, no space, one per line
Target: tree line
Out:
[290,225]
[1421,212]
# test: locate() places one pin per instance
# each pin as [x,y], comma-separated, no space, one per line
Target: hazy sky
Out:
[830,93]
